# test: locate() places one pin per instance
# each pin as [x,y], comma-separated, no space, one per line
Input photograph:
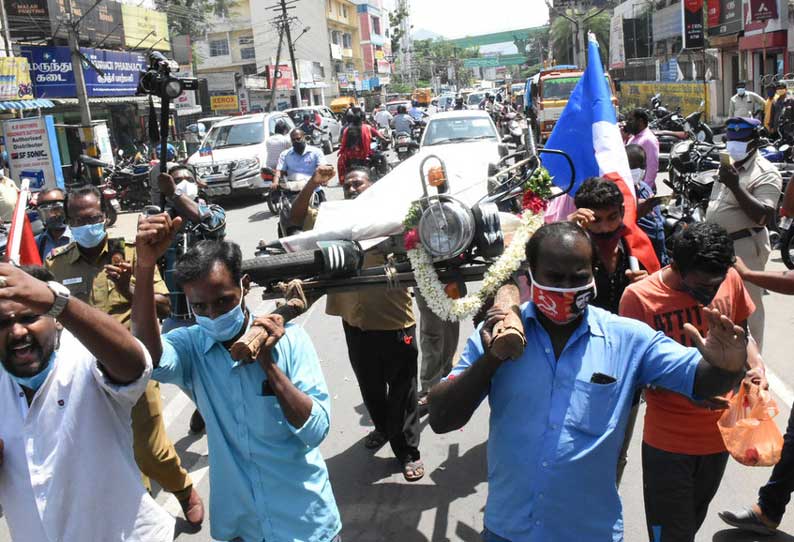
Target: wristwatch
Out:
[62,295]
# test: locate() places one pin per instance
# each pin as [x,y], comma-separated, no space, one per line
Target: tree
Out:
[433,57]
[192,17]
[563,35]
[396,19]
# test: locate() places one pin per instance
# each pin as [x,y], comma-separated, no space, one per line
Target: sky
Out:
[458,18]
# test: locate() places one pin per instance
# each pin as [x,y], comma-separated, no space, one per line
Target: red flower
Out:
[411,239]
[533,202]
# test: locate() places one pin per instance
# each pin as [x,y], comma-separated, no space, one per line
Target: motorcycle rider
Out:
[308,126]
[744,102]
[277,143]
[200,222]
[356,144]
[459,106]
[403,122]
[743,202]
[51,206]
[637,125]
[415,112]
[383,118]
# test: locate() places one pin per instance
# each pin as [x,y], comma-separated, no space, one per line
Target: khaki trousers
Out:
[755,250]
[439,341]
[154,452]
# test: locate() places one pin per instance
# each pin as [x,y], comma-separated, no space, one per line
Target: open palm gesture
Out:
[725,347]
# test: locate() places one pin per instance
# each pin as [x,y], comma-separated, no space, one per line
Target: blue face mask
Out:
[34,382]
[226,326]
[89,236]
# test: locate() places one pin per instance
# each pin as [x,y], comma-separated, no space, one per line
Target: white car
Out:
[325,119]
[233,152]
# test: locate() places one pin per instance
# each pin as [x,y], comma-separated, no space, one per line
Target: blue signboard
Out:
[52,75]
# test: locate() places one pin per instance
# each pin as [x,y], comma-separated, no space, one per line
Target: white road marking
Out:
[780,388]
[175,407]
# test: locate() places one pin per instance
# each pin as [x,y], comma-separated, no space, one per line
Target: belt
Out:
[747,232]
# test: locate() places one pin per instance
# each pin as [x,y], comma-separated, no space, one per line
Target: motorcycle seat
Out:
[93,162]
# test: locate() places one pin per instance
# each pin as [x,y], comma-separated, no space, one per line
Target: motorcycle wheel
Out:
[328,148]
[110,214]
[274,203]
[787,247]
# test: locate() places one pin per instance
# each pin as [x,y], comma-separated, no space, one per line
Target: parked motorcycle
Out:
[111,205]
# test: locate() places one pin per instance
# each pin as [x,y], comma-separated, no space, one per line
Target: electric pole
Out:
[276,71]
[295,76]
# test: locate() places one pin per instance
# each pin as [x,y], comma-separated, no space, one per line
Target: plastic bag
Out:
[748,430]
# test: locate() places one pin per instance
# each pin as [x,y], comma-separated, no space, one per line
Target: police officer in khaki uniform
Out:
[98,270]
[743,202]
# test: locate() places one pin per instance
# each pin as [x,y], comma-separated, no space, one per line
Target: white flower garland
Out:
[501,270]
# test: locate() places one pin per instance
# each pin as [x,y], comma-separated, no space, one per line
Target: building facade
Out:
[345,43]
[375,44]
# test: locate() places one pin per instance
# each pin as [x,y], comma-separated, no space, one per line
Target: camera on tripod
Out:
[159,81]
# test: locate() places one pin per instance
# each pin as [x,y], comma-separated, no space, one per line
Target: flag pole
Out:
[15,243]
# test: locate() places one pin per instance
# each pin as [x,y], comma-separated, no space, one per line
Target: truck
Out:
[550,90]
[423,96]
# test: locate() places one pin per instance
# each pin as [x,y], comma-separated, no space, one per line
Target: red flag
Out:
[639,245]
[21,248]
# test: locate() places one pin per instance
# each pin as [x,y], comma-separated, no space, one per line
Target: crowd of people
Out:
[104,321]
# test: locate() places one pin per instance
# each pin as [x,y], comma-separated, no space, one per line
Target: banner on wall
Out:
[32,148]
[687,96]
[763,10]
[15,79]
[145,28]
[693,31]
[53,77]
[32,19]
[224,103]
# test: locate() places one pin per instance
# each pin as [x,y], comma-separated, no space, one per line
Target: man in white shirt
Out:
[67,387]
[277,143]
[383,118]
[745,103]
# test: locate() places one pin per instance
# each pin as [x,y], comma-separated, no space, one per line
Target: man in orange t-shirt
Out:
[683,455]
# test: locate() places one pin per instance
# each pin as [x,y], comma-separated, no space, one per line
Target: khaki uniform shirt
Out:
[761,179]
[88,282]
[369,309]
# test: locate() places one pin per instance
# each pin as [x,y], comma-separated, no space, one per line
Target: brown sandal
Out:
[413,471]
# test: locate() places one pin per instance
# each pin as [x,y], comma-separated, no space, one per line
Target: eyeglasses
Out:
[50,205]
[88,220]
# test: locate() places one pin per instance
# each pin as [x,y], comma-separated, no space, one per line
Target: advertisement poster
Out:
[52,75]
[33,19]
[145,28]
[617,51]
[102,138]
[724,17]
[763,10]
[284,81]
[33,151]
[15,79]
[224,103]
[693,31]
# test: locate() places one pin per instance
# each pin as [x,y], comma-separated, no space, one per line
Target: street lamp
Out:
[299,35]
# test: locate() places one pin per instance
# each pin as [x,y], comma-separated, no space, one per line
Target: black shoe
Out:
[746,520]
[197,423]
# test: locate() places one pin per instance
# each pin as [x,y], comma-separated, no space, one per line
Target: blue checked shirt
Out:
[555,436]
[268,480]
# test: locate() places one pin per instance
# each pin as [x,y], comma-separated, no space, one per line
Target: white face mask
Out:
[737,149]
[188,188]
[740,92]
[637,175]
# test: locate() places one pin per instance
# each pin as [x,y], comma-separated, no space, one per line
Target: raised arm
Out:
[724,353]
[300,206]
[114,347]
[781,282]
[155,235]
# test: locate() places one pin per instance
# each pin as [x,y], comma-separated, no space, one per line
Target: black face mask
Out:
[704,296]
[299,146]
[608,235]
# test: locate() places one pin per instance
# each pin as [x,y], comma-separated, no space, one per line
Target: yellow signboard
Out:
[145,28]
[687,96]
[380,55]
[15,79]
[224,103]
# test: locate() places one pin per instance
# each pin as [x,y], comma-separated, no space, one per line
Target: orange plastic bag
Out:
[748,430]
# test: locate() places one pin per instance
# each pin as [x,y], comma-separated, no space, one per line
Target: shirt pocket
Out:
[267,420]
[592,406]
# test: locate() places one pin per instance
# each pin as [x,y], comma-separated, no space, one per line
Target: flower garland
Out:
[537,190]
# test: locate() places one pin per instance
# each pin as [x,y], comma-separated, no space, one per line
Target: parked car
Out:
[473,100]
[233,152]
[325,119]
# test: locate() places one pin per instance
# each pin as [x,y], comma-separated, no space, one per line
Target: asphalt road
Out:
[376,503]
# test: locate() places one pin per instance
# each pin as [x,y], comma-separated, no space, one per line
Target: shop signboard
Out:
[52,75]
[32,148]
[186,101]
[15,79]
[145,28]
[692,16]
[284,81]
[617,50]
[763,10]
[41,19]
[384,66]
[724,17]
[685,95]
[666,23]
[224,103]
[219,81]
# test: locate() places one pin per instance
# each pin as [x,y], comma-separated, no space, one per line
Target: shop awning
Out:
[108,100]
[26,104]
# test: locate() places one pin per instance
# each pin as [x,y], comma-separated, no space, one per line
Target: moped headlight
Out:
[446,228]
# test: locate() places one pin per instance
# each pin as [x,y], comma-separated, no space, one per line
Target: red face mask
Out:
[561,305]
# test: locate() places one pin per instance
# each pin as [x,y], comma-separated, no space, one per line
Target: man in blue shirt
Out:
[559,412]
[298,164]
[50,204]
[415,111]
[649,215]
[265,420]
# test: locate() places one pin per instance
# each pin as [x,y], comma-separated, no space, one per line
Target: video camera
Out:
[159,81]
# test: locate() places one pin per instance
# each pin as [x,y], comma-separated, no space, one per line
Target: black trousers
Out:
[678,489]
[776,494]
[385,366]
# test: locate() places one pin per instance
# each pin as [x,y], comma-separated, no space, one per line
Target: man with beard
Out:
[637,126]
[380,331]
[98,271]
[558,413]
[71,375]
[56,233]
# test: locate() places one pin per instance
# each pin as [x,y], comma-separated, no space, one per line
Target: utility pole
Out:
[274,75]
[6,31]
[295,76]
